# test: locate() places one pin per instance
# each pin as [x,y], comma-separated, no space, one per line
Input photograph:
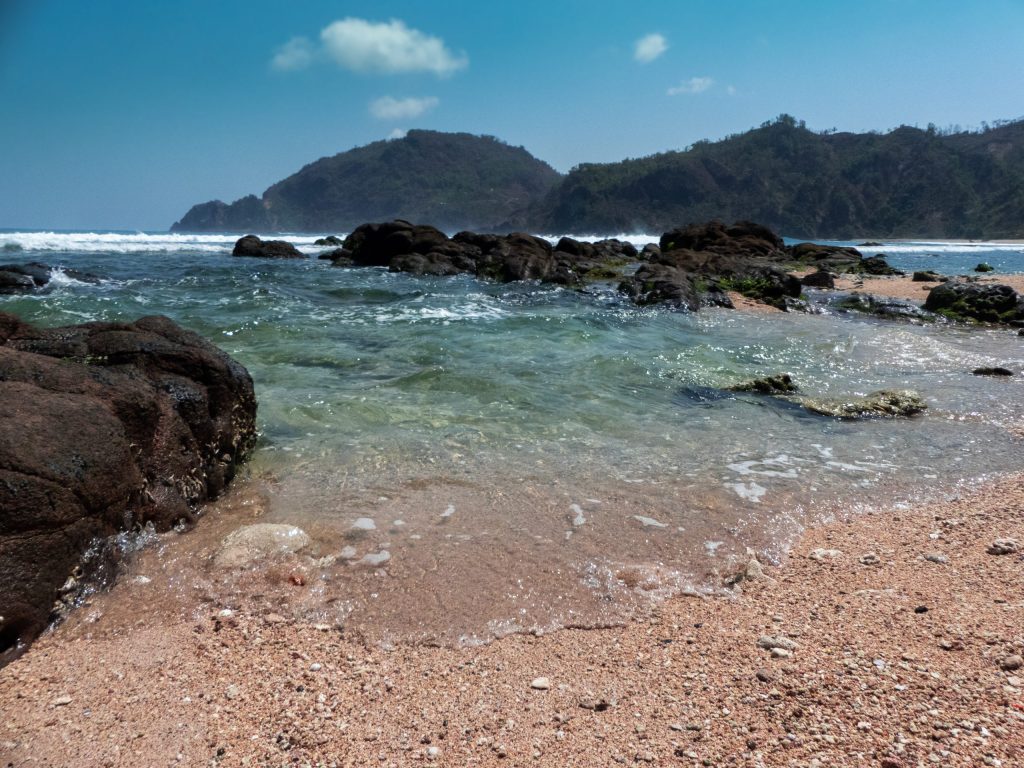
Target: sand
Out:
[903,287]
[896,660]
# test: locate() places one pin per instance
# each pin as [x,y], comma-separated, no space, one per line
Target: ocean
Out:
[473,459]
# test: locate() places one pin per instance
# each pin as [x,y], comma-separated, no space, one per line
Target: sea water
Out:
[472,459]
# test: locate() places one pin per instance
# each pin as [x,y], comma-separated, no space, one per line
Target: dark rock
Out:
[252,246]
[12,248]
[342,255]
[769,385]
[329,240]
[869,244]
[649,252]
[820,279]
[21,278]
[984,267]
[833,258]
[992,371]
[742,238]
[129,424]
[877,265]
[991,303]
[928,276]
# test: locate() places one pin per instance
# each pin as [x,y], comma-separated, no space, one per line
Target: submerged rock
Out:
[984,267]
[254,247]
[130,424]
[25,278]
[992,371]
[252,543]
[769,385]
[883,306]
[329,240]
[886,402]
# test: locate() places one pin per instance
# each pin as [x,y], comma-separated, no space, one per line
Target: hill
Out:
[452,180]
[905,183]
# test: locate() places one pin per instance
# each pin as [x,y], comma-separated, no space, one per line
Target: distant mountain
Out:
[452,180]
[905,183]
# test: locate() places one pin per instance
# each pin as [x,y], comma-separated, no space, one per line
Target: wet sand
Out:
[903,633]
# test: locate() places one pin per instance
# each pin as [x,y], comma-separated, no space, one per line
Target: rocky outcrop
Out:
[888,402]
[254,247]
[26,278]
[424,250]
[105,427]
[329,240]
[779,384]
[985,302]
[884,306]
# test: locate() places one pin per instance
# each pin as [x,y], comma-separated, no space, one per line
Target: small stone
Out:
[935,557]
[62,701]
[764,675]
[754,571]
[781,653]
[433,752]
[540,684]
[863,725]
[751,744]
[1003,547]
[824,554]
[274,618]
[951,645]
[232,691]
[869,558]
[315,667]
[921,609]
[770,642]
[1011,663]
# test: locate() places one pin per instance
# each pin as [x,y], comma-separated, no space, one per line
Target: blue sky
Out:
[123,114]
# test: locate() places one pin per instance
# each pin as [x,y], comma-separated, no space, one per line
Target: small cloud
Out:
[390,108]
[693,85]
[388,47]
[650,47]
[297,53]
[731,90]
[399,133]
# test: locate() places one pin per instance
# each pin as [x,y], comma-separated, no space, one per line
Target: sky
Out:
[121,115]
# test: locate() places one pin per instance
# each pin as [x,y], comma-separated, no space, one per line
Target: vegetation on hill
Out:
[905,183]
[452,180]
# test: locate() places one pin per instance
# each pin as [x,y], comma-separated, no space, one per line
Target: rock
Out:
[1011,663]
[131,423]
[822,555]
[764,675]
[754,571]
[329,240]
[540,684]
[254,247]
[770,385]
[870,559]
[1003,547]
[990,303]
[820,279]
[921,609]
[984,267]
[993,371]
[781,653]
[339,257]
[927,276]
[275,618]
[891,403]
[882,306]
[62,701]
[877,265]
[771,642]
[232,691]
[827,258]
[870,244]
[934,557]
[26,278]
[250,544]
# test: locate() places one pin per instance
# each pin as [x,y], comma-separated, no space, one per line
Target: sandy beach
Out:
[897,636]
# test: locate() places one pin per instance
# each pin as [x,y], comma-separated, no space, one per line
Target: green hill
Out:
[905,183]
[452,180]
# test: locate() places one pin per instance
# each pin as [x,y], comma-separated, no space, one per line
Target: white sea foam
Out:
[137,242]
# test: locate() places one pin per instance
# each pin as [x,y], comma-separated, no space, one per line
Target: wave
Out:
[133,242]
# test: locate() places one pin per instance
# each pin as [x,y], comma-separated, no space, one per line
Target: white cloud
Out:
[297,53]
[399,133]
[693,85]
[390,108]
[650,47]
[388,47]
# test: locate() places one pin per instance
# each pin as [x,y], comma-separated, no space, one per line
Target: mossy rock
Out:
[886,403]
[984,267]
[780,384]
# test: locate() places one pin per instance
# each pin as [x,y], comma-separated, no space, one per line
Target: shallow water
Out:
[522,457]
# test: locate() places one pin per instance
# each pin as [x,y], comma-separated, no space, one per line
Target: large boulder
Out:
[987,302]
[105,427]
[741,238]
[25,278]
[254,247]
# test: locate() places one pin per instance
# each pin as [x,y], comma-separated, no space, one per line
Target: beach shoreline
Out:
[898,638]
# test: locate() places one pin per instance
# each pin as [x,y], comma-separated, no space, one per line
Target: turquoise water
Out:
[531,456]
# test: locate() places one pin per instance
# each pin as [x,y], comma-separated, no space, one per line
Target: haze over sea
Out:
[524,455]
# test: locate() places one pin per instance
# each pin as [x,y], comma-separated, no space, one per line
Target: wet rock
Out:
[820,279]
[131,423]
[878,266]
[984,267]
[990,303]
[891,403]
[329,240]
[882,306]
[769,385]
[928,276]
[1003,547]
[992,371]
[827,258]
[27,278]
[251,544]
[339,257]
[252,246]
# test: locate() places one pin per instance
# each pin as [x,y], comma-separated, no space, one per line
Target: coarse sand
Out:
[897,641]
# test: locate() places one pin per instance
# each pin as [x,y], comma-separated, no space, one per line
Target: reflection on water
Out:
[472,459]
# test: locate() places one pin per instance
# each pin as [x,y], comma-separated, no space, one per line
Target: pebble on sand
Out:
[1003,547]
[540,684]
